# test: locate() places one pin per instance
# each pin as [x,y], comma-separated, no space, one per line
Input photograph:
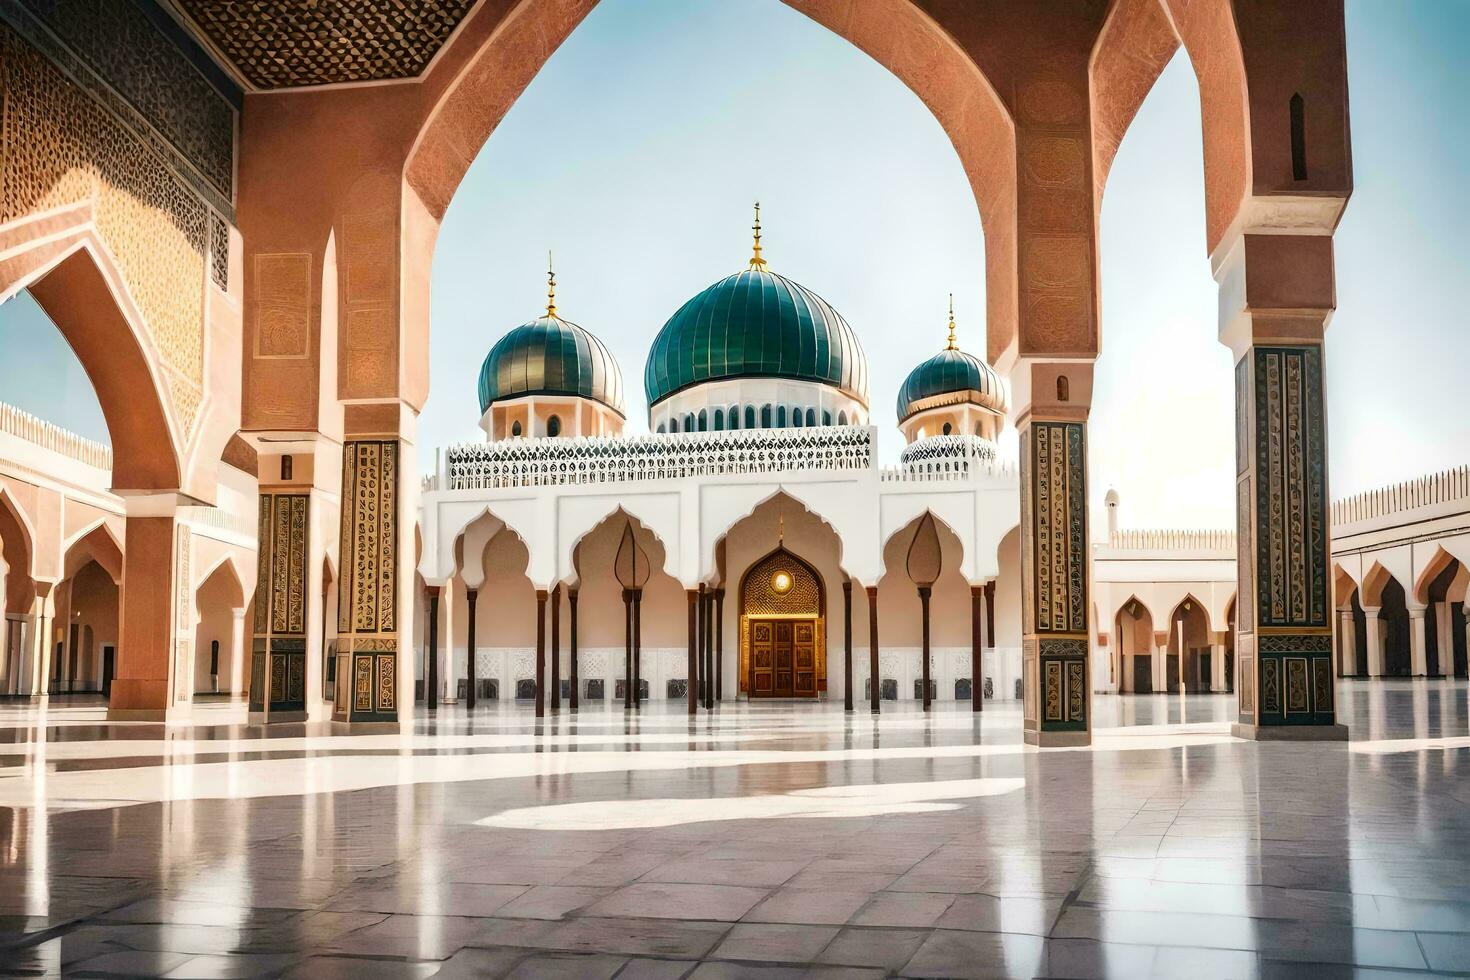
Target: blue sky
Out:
[638,149]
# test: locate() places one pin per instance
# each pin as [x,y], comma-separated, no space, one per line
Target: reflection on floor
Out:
[773,840]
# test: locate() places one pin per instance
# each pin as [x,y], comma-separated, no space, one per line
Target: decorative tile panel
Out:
[60,145]
[1057,508]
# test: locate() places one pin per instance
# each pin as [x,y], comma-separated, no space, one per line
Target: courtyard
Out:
[758,840]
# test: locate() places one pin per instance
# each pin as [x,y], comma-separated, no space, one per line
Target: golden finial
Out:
[756,262]
[952,344]
[550,286]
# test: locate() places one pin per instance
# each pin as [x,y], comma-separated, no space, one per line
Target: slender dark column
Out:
[990,615]
[431,676]
[924,603]
[637,648]
[875,682]
[469,699]
[572,622]
[719,644]
[627,648]
[847,645]
[556,648]
[699,639]
[709,651]
[977,666]
[693,597]
[540,653]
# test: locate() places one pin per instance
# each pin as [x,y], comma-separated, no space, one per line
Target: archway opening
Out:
[1189,650]
[219,635]
[603,625]
[1134,628]
[900,618]
[781,568]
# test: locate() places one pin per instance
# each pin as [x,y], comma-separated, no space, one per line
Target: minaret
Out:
[757,264]
[1111,503]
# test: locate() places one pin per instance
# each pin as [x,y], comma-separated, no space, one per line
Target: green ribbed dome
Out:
[963,377]
[550,356]
[755,324]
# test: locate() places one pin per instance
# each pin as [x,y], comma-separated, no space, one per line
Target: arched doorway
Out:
[783,625]
[1393,615]
[1134,629]
[1189,649]
[19,594]
[219,633]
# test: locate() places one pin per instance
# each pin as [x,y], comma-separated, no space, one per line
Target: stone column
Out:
[540,653]
[431,670]
[1418,655]
[1276,294]
[39,668]
[1219,683]
[1347,634]
[692,595]
[875,682]
[1160,663]
[237,653]
[1374,627]
[1444,640]
[847,645]
[977,665]
[374,623]
[1052,400]
[155,663]
[278,657]
[471,597]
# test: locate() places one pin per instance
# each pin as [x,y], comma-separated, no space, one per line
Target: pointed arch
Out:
[1374,582]
[1438,562]
[95,542]
[17,551]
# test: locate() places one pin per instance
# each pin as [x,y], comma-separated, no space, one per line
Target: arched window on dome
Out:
[674,424]
[780,416]
[795,417]
[553,426]
[515,428]
[750,416]
[842,418]
[734,416]
[811,416]
[703,420]
[719,420]
[948,428]
[826,416]
[662,428]
[766,416]
[689,422]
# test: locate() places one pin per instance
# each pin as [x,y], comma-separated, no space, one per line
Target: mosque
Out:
[755,509]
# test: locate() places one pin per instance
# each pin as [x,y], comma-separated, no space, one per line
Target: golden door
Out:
[783,657]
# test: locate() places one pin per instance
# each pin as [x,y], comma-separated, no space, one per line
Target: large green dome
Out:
[755,324]
[951,377]
[550,356]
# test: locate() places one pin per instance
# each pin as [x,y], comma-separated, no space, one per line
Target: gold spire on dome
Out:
[757,264]
[951,345]
[550,286]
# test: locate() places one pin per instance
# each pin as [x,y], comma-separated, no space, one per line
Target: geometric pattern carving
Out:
[1059,547]
[369,537]
[125,61]
[59,146]
[219,252]
[282,555]
[283,43]
[1291,488]
[282,285]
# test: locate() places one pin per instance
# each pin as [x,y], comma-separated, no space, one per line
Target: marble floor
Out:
[762,841]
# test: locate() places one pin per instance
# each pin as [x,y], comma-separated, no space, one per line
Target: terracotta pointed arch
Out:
[1431,571]
[17,550]
[80,297]
[1373,584]
[98,544]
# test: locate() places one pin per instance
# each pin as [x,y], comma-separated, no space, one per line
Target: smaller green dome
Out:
[550,356]
[951,377]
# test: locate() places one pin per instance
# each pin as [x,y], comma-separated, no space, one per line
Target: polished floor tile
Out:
[760,841]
